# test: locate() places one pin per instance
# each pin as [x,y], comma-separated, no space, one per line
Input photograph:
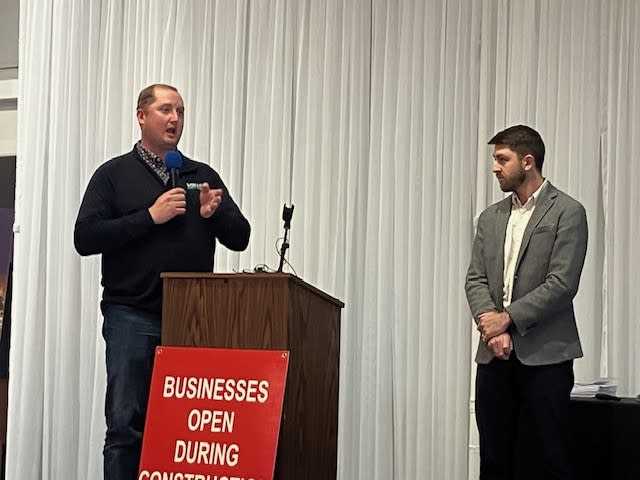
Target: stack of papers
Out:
[608,386]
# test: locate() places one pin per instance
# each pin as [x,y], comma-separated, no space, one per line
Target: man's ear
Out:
[529,162]
[140,116]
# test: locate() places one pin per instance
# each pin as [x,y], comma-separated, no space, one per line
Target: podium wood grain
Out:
[273,312]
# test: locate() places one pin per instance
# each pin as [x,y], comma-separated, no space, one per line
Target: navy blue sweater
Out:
[114,221]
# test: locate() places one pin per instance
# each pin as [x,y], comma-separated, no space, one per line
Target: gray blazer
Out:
[546,277]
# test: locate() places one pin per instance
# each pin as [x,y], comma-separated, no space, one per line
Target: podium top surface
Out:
[251,276]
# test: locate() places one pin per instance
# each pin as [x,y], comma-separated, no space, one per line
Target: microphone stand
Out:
[287,213]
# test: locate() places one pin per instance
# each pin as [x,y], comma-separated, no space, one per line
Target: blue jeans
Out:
[131,337]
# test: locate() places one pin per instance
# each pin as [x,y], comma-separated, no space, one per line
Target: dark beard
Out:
[511,184]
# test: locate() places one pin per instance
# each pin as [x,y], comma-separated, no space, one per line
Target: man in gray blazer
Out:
[525,268]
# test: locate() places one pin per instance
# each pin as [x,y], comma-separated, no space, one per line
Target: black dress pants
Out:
[523,412]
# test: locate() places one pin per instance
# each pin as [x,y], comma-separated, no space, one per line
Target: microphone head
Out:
[287,212]
[173,160]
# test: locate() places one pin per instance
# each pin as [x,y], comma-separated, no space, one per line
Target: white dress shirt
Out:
[520,216]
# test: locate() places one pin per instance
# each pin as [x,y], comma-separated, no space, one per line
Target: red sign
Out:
[214,414]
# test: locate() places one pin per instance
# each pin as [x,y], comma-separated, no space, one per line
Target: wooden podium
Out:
[271,311]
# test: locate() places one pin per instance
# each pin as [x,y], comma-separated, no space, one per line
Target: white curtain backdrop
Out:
[370,116]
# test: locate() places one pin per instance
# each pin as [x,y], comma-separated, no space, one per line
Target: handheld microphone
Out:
[173,162]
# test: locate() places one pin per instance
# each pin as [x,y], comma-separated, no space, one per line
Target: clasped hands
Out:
[174,202]
[493,332]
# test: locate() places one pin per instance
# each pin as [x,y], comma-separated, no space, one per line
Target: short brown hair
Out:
[147,95]
[523,140]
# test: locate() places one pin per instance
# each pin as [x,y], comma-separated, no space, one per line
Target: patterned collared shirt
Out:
[154,161]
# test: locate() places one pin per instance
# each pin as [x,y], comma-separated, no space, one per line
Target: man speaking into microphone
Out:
[136,213]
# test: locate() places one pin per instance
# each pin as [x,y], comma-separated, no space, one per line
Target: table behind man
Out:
[142,227]
[525,268]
